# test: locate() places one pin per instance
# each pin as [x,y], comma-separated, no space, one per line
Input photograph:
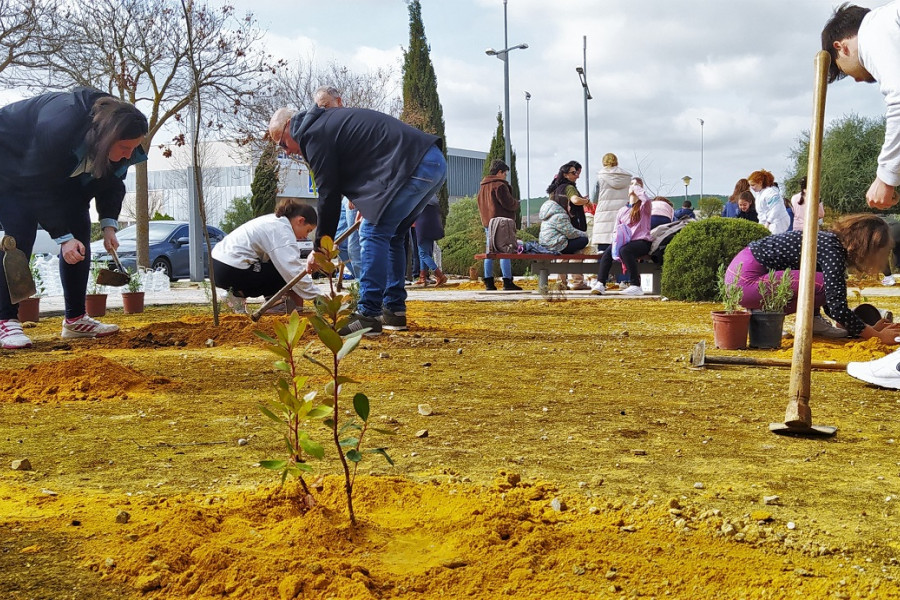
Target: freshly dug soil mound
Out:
[191,332]
[86,378]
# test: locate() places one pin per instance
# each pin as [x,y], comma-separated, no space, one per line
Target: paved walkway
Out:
[184,292]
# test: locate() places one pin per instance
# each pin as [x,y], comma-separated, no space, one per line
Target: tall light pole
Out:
[527,159]
[701,157]
[504,56]
[687,182]
[582,75]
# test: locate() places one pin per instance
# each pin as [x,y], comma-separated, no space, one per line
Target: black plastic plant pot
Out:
[766,329]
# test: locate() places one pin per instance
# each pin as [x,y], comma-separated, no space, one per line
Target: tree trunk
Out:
[142,215]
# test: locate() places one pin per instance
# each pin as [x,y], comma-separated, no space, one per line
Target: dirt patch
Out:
[571,453]
[96,378]
[191,332]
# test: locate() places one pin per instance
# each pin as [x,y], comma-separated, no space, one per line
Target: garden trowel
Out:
[18,271]
[116,278]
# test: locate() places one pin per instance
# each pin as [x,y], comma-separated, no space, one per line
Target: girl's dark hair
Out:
[293,207]
[862,235]
[741,186]
[748,196]
[802,191]
[560,177]
[843,24]
[112,120]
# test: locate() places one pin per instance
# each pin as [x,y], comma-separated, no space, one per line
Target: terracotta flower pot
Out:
[132,302]
[30,310]
[95,305]
[730,329]
[766,329]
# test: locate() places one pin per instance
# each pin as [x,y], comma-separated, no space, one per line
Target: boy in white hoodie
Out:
[865,45]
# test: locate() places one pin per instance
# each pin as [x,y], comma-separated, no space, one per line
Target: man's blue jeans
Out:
[505,263]
[349,249]
[383,257]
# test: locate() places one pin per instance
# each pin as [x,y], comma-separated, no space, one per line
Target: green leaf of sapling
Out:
[361,406]
[320,412]
[354,455]
[312,448]
[273,465]
[383,452]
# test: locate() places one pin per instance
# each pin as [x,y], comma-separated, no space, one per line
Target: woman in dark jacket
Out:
[429,229]
[57,152]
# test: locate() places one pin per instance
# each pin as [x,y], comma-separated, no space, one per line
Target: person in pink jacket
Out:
[631,241]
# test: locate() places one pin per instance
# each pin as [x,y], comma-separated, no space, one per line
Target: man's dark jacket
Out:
[41,143]
[362,154]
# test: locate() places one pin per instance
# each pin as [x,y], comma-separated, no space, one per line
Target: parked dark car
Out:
[169,248]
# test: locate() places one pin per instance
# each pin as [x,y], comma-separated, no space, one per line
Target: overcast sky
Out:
[654,67]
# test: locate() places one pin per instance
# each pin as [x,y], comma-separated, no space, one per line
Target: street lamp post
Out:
[701,158]
[504,56]
[582,75]
[687,182]
[527,159]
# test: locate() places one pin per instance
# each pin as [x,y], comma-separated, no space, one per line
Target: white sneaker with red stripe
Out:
[11,335]
[86,327]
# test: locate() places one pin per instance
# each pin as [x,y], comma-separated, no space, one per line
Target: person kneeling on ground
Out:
[861,242]
[262,255]
[631,242]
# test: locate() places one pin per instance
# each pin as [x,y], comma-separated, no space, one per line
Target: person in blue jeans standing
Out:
[495,199]
[388,170]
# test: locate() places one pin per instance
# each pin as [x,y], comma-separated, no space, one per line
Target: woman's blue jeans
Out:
[426,255]
[505,263]
[383,258]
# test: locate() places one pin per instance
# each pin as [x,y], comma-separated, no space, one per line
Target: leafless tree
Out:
[294,84]
[28,33]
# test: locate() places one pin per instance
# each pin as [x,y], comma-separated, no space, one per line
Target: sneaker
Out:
[888,280]
[11,335]
[395,321]
[823,328]
[883,372]
[598,288]
[236,304]
[633,290]
[359,322]
[86,327]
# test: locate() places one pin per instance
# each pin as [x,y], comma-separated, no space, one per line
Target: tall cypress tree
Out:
[498,150]
[421,104]
[264,187]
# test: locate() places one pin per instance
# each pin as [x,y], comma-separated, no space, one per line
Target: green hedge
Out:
[694,255]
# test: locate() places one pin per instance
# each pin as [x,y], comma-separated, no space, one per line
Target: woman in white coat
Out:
[262,255]
[610,195]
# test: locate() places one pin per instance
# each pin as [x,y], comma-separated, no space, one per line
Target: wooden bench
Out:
[544,264]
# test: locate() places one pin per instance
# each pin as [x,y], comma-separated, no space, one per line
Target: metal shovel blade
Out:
[112,278]
[18,271]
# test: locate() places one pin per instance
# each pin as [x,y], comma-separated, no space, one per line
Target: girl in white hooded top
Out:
[769,204]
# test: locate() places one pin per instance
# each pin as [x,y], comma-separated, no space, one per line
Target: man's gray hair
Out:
[326,90]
